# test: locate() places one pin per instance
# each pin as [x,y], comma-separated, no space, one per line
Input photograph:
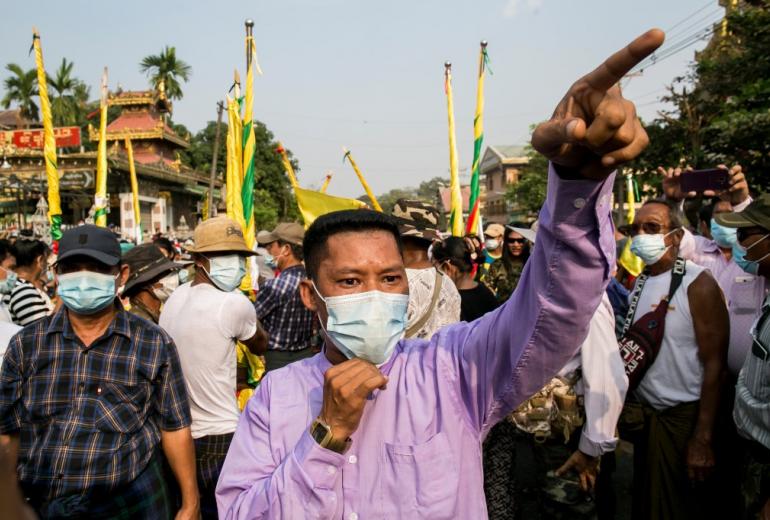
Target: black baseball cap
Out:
[95,242]
[756,214]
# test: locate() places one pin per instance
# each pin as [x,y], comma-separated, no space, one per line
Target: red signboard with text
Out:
[66,136]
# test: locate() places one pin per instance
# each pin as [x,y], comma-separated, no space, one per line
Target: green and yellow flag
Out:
[473,226]
[49,144]
[456,215]
[632,263]
[233,176]
[249,142]
[100,199]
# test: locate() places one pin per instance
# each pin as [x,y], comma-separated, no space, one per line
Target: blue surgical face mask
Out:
[227,271]
[87,292]
[366,325]
[739,256]
[7,285]
[650,248]
[270,261]
[723,236]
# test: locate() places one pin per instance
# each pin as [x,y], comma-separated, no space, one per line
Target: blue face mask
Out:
[366,325]
[650,248]
[7,285]
[86,292]
[723,236]
[270,261]
[226,272]
[739,256]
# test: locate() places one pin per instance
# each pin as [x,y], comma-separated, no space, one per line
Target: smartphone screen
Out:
[715,179]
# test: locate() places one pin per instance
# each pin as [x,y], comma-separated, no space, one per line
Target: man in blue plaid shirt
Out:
[279,307]
[89,394]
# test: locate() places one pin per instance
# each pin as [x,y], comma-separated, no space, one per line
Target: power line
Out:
[689,16]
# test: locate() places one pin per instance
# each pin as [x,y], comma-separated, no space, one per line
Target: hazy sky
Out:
[363,74]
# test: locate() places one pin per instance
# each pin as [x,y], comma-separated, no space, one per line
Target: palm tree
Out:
[166,69]
[21,88]
[64,108]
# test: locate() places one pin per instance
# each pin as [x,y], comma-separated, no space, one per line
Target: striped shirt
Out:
[752,393]
[26,303]
[89,418]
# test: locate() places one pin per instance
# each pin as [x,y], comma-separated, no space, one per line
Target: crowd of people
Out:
[406,373]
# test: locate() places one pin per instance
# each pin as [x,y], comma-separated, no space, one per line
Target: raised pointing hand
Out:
[594,129]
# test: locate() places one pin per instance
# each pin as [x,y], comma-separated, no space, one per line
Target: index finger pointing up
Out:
[619,64]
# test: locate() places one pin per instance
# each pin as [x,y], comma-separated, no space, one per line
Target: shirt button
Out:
[352,459]
[81,386]
[331,470]
[579,203]
[60,475]
[353,516]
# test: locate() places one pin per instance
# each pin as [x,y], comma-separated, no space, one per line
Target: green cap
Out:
[756,214]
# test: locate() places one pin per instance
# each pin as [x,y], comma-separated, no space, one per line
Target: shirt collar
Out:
[60,323]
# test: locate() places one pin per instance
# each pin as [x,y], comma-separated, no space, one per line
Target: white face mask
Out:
[366,325]
[167,285]
[491,244]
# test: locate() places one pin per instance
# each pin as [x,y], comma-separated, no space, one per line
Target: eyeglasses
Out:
[649,228]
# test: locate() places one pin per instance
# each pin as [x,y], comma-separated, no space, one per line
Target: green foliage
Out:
[722,110]
[528,195]
[69,96]
[165,68]
[21,88]
[427,192]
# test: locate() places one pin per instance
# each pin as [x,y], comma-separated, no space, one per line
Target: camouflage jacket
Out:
[503,278]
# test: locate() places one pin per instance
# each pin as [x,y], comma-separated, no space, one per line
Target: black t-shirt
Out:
[476,302]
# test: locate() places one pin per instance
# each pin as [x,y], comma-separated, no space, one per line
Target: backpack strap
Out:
[415,327]
[677,275]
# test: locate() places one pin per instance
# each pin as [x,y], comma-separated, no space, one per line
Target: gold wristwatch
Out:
[322,434]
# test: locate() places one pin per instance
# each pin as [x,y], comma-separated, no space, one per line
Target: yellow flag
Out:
[456,216]
[313,204]
[134,191]
[100,199]
[632,263]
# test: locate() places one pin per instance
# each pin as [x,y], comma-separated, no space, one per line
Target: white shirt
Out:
[603,384]
[676,375]
[447,310]
[205,323]
[7,330]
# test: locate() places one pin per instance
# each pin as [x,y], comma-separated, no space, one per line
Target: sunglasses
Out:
[517,241]
[649,228]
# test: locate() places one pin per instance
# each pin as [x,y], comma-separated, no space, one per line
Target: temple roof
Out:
[150,98]
[138,125]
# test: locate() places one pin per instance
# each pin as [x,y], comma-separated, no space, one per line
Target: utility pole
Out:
[220,108]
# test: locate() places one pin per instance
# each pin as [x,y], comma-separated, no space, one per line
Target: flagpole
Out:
[213,173]
[367,189]
[100,199]
[249,146]
[327,180]
[474,214]
[287,165]
[49,145]
[134,192]
[456,218]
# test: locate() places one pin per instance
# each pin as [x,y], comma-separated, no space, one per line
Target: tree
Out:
[70,97]
[166,69]
[21,88]
[528,194]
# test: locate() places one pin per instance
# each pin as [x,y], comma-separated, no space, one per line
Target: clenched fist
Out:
[594,129]
[346,387]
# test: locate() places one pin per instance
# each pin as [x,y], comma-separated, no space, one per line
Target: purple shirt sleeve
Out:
[509,354]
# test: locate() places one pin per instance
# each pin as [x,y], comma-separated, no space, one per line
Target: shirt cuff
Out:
[321,466]
[596,448]
[743,205]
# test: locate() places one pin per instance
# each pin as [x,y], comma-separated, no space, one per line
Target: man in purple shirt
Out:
[377,426]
